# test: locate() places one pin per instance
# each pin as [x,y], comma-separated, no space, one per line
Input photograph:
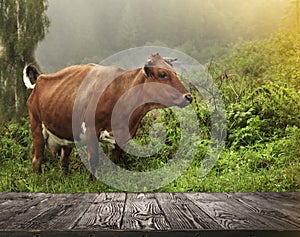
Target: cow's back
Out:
[52,99]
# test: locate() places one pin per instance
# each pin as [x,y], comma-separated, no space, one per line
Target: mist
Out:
[89,31]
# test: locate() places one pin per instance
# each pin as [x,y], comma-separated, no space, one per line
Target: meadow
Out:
[259,83]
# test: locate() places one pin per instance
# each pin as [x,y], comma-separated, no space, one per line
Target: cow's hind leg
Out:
[93,153]
[38,144]
[65,158]
[94,163]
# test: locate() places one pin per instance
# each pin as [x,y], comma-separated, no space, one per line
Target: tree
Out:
[292,18]
[127,30]
[23,24]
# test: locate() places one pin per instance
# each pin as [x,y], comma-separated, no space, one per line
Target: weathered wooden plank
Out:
[280,211]
[19,199]
[14,196]
[142,212]
[38,215]
[289,203]
[104,213]
[233,213]
[18,204]
[226,212]
[182,213]
[72,210]
[131,233]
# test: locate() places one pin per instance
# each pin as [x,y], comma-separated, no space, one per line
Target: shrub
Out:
[263,115]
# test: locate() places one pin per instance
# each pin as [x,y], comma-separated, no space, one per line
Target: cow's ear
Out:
[147,71]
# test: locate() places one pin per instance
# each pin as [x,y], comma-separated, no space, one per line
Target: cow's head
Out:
[171,92]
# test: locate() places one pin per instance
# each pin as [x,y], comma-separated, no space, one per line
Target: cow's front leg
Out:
[116,153]
[93,153]
[38,145]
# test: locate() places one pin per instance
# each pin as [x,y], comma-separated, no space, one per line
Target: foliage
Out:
[255,63]
[263,115]
[272,166]
[259,83]
[22,25]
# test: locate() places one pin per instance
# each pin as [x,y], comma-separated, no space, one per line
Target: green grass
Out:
[269,167]
[274,167]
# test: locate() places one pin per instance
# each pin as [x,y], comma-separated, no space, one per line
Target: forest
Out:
[251,49]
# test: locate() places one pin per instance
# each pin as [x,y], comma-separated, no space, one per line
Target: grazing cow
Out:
[51,106]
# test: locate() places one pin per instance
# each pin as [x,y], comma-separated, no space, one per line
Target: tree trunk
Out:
[19,38]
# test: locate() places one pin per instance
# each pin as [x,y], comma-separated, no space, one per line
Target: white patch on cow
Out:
[53,141]
[82,136]
[107,139]
[83,127]
[45,132]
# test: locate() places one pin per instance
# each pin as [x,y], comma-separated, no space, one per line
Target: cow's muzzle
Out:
[187,99]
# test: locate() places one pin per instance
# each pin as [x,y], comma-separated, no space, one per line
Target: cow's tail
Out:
[30,72]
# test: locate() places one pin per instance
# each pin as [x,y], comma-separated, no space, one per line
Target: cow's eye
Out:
[163,75]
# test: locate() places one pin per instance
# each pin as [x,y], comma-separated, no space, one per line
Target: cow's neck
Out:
[139,114]
[132,79]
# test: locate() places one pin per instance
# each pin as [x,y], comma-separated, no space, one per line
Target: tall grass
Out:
[266,167]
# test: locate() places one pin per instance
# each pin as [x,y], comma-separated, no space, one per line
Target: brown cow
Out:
[53,115]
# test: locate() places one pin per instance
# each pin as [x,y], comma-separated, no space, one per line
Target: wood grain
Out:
[100,212]
[233,211]
[17,205]
[38,215]
[104,213]
[70,212]
[278,213]
[182,213]
[142,212]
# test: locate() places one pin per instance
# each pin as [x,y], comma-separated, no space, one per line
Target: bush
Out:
[263,115]
[15,140]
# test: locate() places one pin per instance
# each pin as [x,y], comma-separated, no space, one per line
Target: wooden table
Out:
[150,214]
